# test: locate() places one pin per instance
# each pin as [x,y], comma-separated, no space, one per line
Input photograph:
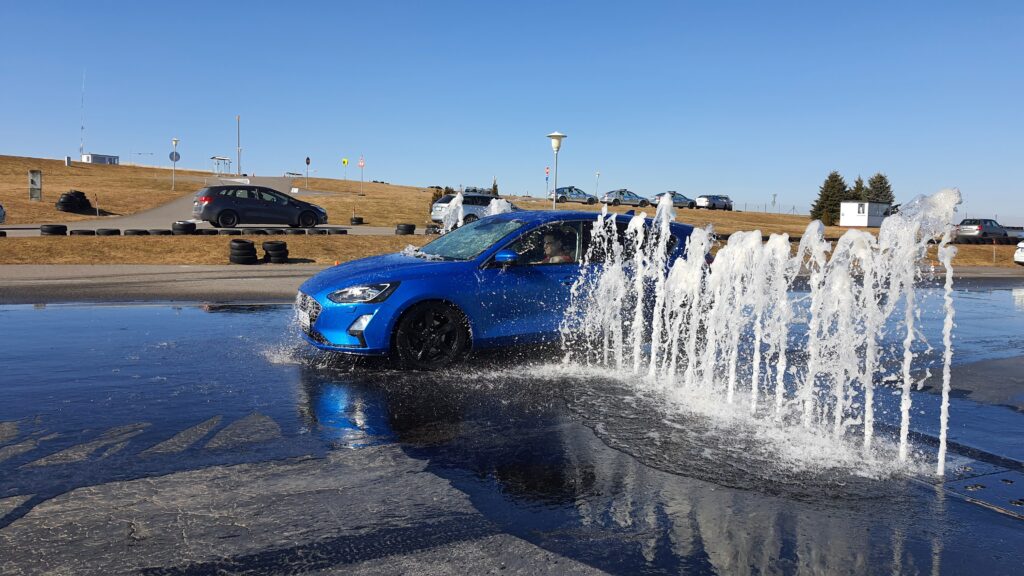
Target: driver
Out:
[555,251]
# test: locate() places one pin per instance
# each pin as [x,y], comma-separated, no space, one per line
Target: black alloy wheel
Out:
[430,336]
[307,220]
[227,219]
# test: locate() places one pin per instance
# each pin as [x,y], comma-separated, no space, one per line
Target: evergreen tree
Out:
[859,192]
[494,187]
[832,192]
[879,189]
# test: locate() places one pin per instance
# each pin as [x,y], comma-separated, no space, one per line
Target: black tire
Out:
[728,208]
[256,232]
[691,206]
[615,202]
[272,245]
[207,232]
[108,232]
[53,230]
[562,199]
[356,220]
[410,228]
[402,232]
[246,260]
[275,232]
[231,232]
[183,228]
[82,233]
[307,220]
[239,244]
[160,232]
[136,232]
[711,207]
[337,231]
[3,233]
[296,231]
[227,219]
[316,231]
[644,203]
[591,201]
[430,336]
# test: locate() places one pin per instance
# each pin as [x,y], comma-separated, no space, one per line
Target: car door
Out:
[525,303]
[273,208]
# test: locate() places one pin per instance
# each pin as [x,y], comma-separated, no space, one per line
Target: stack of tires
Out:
[276,252]
[183,228]
[53,230]
[74,201]
[404,229]
[243,252]
[356,220]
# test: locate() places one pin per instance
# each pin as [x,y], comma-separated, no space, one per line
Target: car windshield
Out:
[470,240]
[444,199]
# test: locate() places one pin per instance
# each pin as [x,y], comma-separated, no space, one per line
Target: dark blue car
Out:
[500,281]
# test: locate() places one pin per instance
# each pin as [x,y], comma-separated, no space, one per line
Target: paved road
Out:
[161,217]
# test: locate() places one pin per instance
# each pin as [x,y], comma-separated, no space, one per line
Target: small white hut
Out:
[863,214]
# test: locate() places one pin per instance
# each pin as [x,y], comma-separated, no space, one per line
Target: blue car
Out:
[502,280]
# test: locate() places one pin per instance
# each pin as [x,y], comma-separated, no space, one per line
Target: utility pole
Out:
[238,142]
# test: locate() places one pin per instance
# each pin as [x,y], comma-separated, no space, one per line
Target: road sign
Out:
[307,160]
[174,156]
[547,170]
[344,161]
[362,162]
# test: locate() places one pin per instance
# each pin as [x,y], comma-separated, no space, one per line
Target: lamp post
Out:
[556,143]
[174,159]
[597,184]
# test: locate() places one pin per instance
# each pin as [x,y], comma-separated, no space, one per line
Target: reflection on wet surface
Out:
[588,468]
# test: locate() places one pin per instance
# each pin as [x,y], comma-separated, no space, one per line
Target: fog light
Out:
[357,327]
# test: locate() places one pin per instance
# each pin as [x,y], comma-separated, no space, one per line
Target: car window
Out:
[470,240]
[444,199]
[558,243]
[226,192]
[969,222]
[267,196]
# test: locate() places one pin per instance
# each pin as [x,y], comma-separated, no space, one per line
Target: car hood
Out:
[385,268]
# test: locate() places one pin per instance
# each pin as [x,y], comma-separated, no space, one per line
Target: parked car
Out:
[1018,255]
[229,206]
[573,194]
[474,207]
[3,214]
[714,202]
[980,228]
[499,281]
[678,200]
[623,196]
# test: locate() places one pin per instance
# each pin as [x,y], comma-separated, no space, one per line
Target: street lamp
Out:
[597,184]
[174,159]
[556,143]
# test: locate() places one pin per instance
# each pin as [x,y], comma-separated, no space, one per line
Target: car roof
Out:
[537,217]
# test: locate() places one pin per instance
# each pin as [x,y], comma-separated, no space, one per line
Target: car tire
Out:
[333,231]
[317,231]
[182,228]
[160,232]
[229,232]
[711,207]
[591,201]
[82,233]
[246,260]
[411,228]
[227,219]
[430,336]
[136,232]
[562,199]
[644,203]
[615,202]
[466,220]
[296,231]
[307,220]
[108,232]
[53,230]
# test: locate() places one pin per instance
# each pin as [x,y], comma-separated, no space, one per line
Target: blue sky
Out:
[748,99]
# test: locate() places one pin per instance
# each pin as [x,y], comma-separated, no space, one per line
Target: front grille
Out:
[310,306]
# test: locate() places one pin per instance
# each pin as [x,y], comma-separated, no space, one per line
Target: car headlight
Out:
[363,293]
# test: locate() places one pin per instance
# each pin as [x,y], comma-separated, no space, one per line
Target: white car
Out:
[714,202]
[474,207]
[1018,256]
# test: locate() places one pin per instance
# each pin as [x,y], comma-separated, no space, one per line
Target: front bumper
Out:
[329,326]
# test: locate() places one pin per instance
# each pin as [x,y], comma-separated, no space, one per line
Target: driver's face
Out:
[552,246]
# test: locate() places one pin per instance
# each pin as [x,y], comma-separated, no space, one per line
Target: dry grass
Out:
[189,249]
[115,189]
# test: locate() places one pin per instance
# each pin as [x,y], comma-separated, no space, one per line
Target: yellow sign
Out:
[344,161]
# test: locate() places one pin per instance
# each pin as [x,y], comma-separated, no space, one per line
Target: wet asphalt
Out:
[186,439]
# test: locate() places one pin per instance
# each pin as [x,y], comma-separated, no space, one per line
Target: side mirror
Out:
[506,258]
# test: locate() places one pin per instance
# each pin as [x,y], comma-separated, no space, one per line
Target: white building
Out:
[100,159]
[864,214]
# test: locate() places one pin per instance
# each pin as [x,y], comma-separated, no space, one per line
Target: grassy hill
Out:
[122,190]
